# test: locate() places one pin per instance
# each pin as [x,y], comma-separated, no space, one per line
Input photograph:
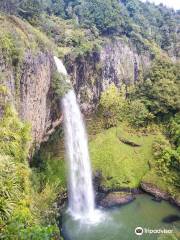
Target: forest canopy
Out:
[130,17]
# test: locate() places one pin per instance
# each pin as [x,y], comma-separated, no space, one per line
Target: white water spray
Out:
[81,194]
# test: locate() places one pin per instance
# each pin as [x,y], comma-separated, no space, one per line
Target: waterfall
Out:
[81,196]
[80,187]
[60,66]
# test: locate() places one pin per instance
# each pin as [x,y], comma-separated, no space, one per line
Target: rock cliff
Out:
[27,74]
[27,66]
[35,94]
[118,62]
[34,98]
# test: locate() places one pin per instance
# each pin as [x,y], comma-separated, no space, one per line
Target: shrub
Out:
[174,130]
[111,102]
[10,188]
[167,161]
[18,231]
[14,135]
[137,114]
[160,90]
[44,206]
[23,212]
[59,84]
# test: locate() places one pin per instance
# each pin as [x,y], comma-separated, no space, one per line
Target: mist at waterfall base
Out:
[82,221]
[120,222]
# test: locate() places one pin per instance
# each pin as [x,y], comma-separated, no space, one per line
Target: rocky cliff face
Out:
[32,96]
[121,63]
[35,94]
[118,62]
[26,69]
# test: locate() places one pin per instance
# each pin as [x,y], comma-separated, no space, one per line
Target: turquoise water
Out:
[120,223]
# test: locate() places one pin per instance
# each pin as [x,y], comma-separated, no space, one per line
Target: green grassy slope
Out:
[121,165]
[125,166]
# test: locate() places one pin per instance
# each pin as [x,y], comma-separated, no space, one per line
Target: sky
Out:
[169,3]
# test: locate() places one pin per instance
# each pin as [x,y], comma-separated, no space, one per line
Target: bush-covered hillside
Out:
[26,211]
[132,18]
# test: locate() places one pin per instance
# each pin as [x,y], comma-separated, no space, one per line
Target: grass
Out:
[153,178]
[121,165]
[56,170]
[17,36]
[52,169]
[124,166]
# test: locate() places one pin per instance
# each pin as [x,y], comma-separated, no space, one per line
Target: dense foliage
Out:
[114,107]
[160,89]
[156,23]
[68,35]
[110,105]
[167,161]
[173,131]
[104,15]
[22,214]
[25,7]
[130,17]
[139,21]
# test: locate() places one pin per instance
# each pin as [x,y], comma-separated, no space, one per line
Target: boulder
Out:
[114,199]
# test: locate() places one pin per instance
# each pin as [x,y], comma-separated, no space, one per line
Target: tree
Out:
[56,7]
[167,161]
[24,8]
[105,15]
[9,6]
[137,114]
[160,90]
[173,130]
[110,105]
[30,8]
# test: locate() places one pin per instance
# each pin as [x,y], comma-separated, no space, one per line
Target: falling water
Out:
[81,195]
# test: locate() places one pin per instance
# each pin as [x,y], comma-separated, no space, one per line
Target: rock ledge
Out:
[114,199]
[158,193]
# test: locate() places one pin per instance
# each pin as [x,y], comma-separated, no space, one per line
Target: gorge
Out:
[89,144]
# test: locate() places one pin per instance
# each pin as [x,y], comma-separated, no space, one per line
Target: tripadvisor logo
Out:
[139,231]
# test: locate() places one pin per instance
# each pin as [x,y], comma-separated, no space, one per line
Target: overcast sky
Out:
[170,3]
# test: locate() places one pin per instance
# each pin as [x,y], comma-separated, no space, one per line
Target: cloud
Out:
[169,3]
